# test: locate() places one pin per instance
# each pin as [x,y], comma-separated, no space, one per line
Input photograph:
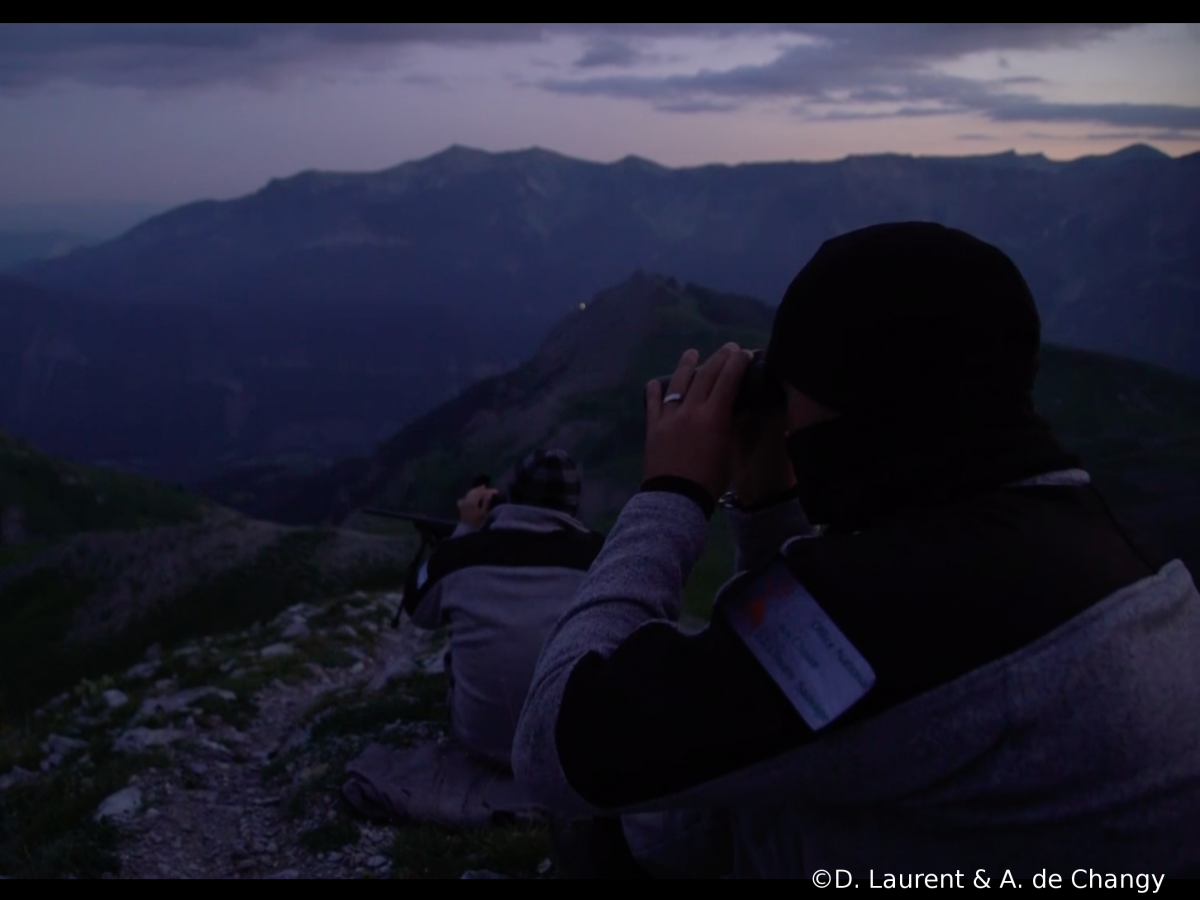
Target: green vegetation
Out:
[1136,427]
[47,829]
[343,723]
[36,661]
[330,837]
[34,619]
[704,321]
[421,698]
[55,500]
[433,851]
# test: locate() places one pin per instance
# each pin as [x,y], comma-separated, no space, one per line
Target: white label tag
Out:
[819,670]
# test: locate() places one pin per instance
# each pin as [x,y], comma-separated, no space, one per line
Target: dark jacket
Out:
[1009,682]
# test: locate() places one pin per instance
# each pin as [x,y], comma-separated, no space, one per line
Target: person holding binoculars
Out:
[940,651]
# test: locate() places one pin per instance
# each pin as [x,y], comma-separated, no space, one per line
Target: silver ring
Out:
[672,398]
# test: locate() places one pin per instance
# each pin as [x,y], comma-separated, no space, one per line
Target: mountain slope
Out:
[174,391]
[1137,427]
[44,500]
[517,237]
[19,248]
[97,565]
[316,316]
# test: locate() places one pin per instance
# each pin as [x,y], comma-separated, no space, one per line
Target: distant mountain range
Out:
[97,565]
[318,315]
[1136,427]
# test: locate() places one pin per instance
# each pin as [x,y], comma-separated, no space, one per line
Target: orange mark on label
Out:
[756,610]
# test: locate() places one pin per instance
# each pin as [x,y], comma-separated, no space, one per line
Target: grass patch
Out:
[281,575]
[433,851]
[239,713]
[320,652]
[37,611]
[46,828]
[331,837]
[58,499]
[296,805]
[277,768]
[327,701]
[421,698]
[17,554]
[34,662]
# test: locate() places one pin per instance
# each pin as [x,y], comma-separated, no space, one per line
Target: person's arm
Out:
[423,590]
[623,707]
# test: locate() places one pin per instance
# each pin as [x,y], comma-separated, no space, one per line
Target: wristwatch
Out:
[730,500]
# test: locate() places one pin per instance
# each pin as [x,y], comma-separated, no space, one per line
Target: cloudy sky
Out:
[167,113]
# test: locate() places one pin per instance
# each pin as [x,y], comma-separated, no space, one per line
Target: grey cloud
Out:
[855,69]
[609,52]
[974,137]
[1128,115]
[1145,136]
[698,106]
[837,71]
[1141,136]
[166,54]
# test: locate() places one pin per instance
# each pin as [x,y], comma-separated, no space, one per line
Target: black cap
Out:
[908,313]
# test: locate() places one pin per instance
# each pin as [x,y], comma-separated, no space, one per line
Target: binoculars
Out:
[759,391]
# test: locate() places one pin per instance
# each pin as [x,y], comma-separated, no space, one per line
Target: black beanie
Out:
[926,341]
[912,313]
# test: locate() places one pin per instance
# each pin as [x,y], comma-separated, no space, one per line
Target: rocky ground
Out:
[224,758]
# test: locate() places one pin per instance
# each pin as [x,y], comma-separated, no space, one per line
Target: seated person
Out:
[970,666]
[501,582]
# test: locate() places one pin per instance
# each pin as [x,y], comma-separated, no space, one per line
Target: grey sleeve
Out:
[759,535]
[637,578]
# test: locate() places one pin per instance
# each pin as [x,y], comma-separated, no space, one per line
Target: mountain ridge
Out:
[446,270]
[1136,426]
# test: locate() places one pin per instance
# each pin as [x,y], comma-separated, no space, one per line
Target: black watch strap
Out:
[730,500]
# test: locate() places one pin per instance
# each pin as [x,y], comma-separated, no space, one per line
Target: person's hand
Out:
[693,438]
[473,508]
[760,463]
[761,467]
